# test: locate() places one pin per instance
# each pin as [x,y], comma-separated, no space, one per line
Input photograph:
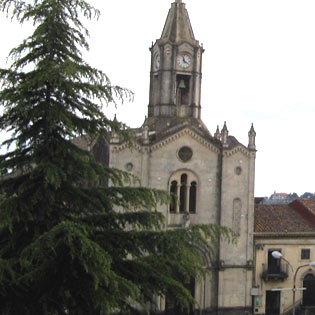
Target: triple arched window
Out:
[183,189]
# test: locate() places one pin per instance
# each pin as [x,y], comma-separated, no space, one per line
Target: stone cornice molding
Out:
[283,235]
[239,148]
[125,145]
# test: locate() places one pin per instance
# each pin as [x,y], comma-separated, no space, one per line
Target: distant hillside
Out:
[277,198]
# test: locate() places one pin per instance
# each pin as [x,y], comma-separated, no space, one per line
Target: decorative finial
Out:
[224,129]
[251,138]
[217,134]
[145,121]
[224,135]
[145,132]
[252,130]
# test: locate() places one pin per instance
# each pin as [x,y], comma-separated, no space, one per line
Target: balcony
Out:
[275,272]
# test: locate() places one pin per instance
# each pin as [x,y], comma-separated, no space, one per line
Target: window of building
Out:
[173,191]
[274,266]
[238,170]
[185,154]
[192,197]
[183,189]
[305,253]
[183,194]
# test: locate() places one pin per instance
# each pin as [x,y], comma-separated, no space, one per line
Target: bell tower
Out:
[175,80]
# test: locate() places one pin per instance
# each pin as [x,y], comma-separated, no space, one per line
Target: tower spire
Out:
[175,84]
[177,26]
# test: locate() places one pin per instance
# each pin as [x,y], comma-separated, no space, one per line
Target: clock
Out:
[157,62]
[184,61]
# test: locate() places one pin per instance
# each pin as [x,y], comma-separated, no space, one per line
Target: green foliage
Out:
[69,242]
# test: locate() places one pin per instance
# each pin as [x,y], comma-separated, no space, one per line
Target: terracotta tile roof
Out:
[309,204]
[282,219]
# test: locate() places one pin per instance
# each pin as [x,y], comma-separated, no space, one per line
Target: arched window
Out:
[183,188]
[173,191]
[183,194]
[192,197]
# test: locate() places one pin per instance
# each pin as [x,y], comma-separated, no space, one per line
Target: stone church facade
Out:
[211,174]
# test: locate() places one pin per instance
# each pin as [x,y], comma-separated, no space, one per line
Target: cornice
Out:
[239,148]
[279,235]
[125,145]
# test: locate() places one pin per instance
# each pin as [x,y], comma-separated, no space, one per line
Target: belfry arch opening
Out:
[182,89]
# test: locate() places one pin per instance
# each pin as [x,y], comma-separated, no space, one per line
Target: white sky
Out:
[258,66]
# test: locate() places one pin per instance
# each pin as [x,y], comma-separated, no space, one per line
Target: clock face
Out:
[184,61]
[157,62]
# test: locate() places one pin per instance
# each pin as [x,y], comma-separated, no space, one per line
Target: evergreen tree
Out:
[70,243]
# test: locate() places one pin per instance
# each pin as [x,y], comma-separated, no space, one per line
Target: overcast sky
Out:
[258,67]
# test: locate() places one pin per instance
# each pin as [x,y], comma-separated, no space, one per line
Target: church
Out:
[212,175]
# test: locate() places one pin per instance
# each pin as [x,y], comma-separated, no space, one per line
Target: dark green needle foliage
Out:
[64,247]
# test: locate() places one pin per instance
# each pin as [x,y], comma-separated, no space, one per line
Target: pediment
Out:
[183,133]
[169,139]
[175,133]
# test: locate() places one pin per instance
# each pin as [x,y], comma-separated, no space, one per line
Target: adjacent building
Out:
[290,230]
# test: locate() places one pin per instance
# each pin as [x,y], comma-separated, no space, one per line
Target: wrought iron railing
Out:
[275,273]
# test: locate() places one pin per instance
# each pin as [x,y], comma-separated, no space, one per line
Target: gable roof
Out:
[294,219]
[164,131]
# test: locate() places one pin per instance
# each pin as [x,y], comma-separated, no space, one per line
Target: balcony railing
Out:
[275,272]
